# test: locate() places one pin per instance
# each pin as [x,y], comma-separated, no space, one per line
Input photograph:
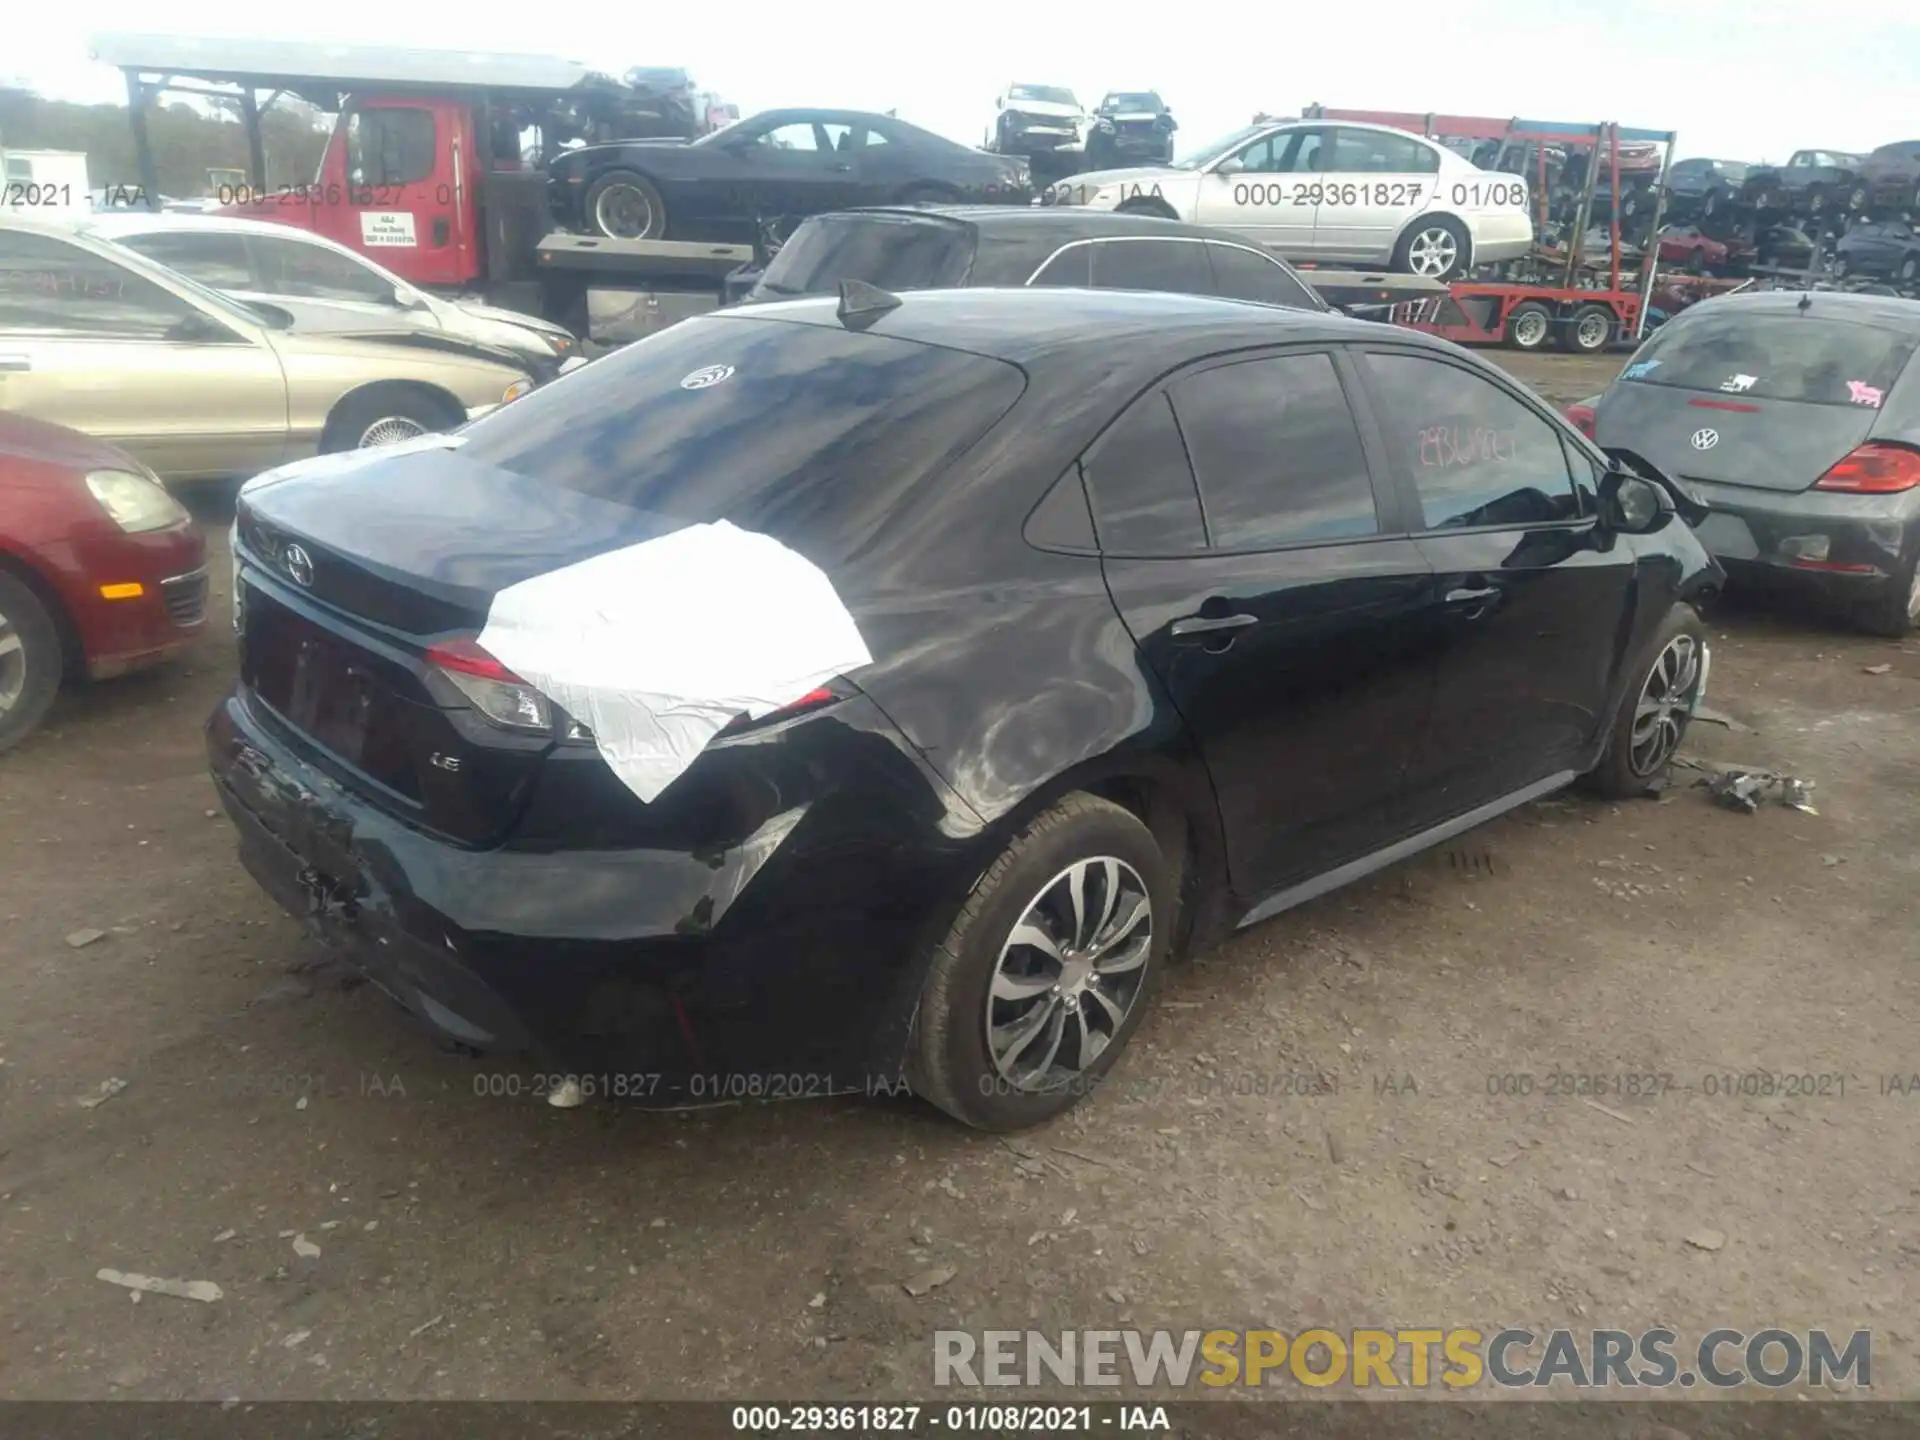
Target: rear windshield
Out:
[895,252]
[1774,357]
[808,433]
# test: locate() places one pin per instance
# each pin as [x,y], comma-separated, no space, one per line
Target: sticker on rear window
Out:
[1736,383]
[1861,393]
[705,376]
[1642,367]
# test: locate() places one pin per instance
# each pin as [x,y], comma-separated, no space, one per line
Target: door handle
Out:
[841,169]
[14,363]
[1472,596]
[1205,624]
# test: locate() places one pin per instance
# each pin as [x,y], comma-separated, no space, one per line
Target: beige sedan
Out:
[199,387]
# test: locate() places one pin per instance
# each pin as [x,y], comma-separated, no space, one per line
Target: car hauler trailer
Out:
[1548,296]
[424,171]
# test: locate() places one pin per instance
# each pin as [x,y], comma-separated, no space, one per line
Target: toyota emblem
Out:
[1705,439]
[706,375]
[299,565]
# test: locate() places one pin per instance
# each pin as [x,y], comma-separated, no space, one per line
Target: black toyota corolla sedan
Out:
[1175,611]
[1796,419]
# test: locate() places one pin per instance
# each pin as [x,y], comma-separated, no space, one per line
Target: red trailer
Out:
[1550,296]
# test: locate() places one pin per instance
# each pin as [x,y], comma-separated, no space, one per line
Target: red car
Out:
[1685,246]
[101,570]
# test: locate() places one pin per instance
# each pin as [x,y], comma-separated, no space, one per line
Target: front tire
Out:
[1047,970]
[1653,717]
[625,205]
[30,660]
[384,414]
[1438,249]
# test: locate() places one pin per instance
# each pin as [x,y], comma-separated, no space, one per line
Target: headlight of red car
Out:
[135,502]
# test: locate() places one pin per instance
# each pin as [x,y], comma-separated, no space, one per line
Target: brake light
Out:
[1874,469]
[1583,418]
[812,700]
[500,696]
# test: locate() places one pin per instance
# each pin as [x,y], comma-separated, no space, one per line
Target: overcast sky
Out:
[1739,79]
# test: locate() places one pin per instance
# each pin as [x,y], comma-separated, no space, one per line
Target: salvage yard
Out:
[1540,1077]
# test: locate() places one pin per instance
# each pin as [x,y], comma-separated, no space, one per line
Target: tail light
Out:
[1582,417]
[1874,469]
[496,692]
[812,700]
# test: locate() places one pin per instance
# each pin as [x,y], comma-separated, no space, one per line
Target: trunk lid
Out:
[1767,399]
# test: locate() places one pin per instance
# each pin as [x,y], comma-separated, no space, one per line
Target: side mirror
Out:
[1000,104]
[193,328]
[1632,505]
[408,299]
[1232,165]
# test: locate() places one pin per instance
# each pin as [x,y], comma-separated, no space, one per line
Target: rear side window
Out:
[895,252]
[1276,453]
[1141,485]
[212,258]
[1375,152]
[1179,266]
[1774,356]
[808,433]
[1477,455]
[1241,274]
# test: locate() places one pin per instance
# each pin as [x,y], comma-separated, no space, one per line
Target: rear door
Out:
[1527,598]
[1268,597]
[1376,182]
[1761,399]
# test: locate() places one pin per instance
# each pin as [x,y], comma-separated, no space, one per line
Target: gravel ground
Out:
[381,1228]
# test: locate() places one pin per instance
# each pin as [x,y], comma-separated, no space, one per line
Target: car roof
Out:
[110,224]
[1047,221]
[1890,311]
[1066,328]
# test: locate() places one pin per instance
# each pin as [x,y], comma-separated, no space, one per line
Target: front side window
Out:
[1477,455]
[797,136]
[1141,485]
[389,145]
[313,272]
[1177,266]
[1276,453]
[214,259]
[51,287]
[1072,266]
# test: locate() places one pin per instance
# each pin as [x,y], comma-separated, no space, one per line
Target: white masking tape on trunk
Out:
[656,647]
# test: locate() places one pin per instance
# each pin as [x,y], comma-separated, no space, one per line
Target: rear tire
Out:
[1653,715]
[1590,330]
[31,661]
[982,986]
[1894,613]
[384,414]
[625,205]
[1529,326]
[1438,248]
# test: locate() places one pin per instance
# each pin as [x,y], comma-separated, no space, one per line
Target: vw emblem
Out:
[1705,439]
[299,565]
[706,375]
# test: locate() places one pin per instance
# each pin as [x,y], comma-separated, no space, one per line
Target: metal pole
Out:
[1651,261]
[142,147]
[1578,245]
[256,150]
[1613,166]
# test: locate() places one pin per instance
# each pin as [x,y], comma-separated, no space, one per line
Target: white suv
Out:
[1310,190]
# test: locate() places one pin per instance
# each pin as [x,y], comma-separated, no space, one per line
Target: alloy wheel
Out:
[1593,331]
[13,666]
[389,429]
[1665,705]
[623,212]
[1433,252]
[1530,330]
[1069,975]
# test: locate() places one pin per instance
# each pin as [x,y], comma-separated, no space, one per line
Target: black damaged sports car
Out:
[1179,611]
[759,177]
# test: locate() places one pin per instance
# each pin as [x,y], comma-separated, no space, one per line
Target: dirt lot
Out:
[379,1229]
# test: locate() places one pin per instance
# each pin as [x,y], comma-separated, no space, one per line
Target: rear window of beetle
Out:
[1776,356]
[809,433]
